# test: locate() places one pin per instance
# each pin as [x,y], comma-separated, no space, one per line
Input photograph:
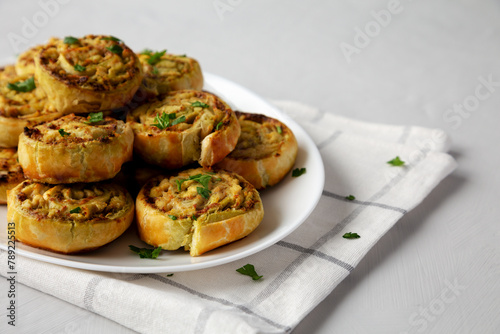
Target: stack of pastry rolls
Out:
[59,106]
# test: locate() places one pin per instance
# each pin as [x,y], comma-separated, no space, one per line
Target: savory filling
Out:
[180,111]
[168,67]
[258,139]
[77,129]
[93,62]
[195,194]
[79,202]
[19,95]
[10,170]
[26,61]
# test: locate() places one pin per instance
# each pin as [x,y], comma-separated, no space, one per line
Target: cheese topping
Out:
[78,202]
[104,64]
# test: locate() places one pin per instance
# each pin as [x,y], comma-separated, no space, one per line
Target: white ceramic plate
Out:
[286,206]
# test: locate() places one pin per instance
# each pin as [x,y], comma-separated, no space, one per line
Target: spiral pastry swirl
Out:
[88,74]
[11,173]
[73,149]
[198,210]
[183,127]
[69,218]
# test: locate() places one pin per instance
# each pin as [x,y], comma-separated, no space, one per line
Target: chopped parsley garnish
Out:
[170,275]
[154,58]
[249,270]
[204,192]
[23,86]
[396,162]
[172,217]
[115,49]
[95,117]
[298,172]
[79,68]
[193,217]
[70,40]
[181,55]
[111,38]
[76,210]
[146,253]
[63,133]
[218,126]
[350,198]
[147,52]
[199,104]
[163,121]
[278,128]
[351,235]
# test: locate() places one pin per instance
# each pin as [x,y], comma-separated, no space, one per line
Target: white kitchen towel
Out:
[299,271]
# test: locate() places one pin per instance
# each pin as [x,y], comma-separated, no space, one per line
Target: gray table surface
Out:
[428,63]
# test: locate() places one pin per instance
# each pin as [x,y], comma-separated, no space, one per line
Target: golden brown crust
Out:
[265,153]
[208,133]
[25,64]
[19,109]
[11,173]
[169,72]
[68,150]
[173,212]
[95,73]
[69,218]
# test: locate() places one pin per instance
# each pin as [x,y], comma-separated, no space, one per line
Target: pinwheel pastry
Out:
[167,72]
[183,127]
[25,64]
[88,74]
[75,149]
[265,152]
[11,173]
[69,218]
[198,210]
[22,104]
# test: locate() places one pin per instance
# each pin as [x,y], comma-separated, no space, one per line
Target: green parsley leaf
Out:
[111,38]
[95,117]
[181,55]
[163,121]
[278,128]
[115,49]
[396,162]
[199,104]
[193,217]
[63,133]
[172,217]
[249,270]
[298,172]
[203,179]
[350,235]
[76,210]
[218,126]
[170,275]
[147,52]
[204,192]
[155,70]
[23,86]
[350,198]
[146,253]
[155,57]
[79,68]
[70,40]
[178,120]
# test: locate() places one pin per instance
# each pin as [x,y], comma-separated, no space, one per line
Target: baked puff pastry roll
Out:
[22,104]
[88,74]
[69,218]
[167,72]
[75,149]
[183,127]
[25,64]
[198,210]
[11,173]
[265,152]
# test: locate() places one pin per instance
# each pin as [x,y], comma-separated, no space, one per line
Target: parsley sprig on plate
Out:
[146,253]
